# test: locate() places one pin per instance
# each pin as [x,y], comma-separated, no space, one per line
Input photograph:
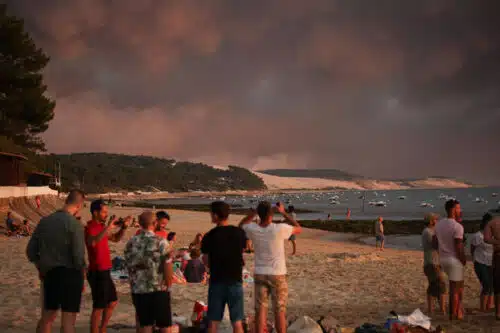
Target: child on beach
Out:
[195,271]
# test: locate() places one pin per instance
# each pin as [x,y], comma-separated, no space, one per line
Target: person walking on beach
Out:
[150,274]
[483,256]
[293,238]
[448,239]
[57,248]
[492,236]
[223,248]
[379,234]
[432,269]
[97,234]
[270,264]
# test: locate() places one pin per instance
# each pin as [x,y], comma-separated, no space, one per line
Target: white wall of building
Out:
[25,191]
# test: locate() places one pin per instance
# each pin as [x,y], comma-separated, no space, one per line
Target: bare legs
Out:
[456,297]
[237,327]
[294,246]
[102,317]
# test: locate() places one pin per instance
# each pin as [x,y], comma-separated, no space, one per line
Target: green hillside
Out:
[102,172]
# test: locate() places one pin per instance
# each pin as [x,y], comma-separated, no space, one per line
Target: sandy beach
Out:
[329,276]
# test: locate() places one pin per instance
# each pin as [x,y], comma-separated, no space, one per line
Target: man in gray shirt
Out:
[57,248]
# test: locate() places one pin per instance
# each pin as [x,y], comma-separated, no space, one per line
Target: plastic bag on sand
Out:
[305,325]
[417,318]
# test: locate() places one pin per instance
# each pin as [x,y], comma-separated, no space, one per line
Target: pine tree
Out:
[25,111]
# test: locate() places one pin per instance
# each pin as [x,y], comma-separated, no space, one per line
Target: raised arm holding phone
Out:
[269,239]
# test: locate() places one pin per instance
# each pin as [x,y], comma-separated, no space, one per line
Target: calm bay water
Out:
[391,204]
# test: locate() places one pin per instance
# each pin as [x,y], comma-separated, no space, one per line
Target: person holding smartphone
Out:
[269,239]
[97,234]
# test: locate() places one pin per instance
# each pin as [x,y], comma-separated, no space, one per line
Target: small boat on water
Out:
[424,204]
[380,204]
[443,196]
[494,194]
[402,197]
[480,200]
[334,202]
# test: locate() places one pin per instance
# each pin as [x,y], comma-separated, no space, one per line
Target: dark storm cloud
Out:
[381,88]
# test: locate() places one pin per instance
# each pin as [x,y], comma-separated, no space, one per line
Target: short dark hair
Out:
[220,209]
[486,219]
[450,204]
[171,236]
[162,215]
[75,196]
[291,209]
[96,205]
[264,209]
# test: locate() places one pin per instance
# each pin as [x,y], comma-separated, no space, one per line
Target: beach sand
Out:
[328,276]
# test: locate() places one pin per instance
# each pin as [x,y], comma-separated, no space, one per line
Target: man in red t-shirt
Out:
[97,234]
[162,219]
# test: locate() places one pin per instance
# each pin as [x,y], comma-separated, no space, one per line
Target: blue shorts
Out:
[379,238]
[220,294]
[292,238]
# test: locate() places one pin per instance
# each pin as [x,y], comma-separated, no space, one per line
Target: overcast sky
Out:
[382,88]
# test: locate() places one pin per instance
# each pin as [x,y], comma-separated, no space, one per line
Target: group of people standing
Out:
[57,249]
[444,255]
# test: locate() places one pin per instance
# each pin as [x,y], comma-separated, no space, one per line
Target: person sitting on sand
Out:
[379,234]
[196,244]
[483,256]
[25,228]
[12,228]
[448,239]
[492,236]
[195,271]
[270,263]
[432,269]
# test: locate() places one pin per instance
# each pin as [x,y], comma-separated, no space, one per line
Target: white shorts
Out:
[453,268]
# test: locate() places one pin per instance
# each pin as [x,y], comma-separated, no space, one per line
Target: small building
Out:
[11,173]
[39,179]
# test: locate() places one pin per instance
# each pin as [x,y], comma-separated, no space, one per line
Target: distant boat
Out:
[402,197]
[494,194]
[380,204]
[426,205]
[334,202]
[443,196]
[480,200]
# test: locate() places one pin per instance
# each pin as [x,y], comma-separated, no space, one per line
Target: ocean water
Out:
[392,204]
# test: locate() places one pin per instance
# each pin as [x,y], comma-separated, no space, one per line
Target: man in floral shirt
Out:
[150,275]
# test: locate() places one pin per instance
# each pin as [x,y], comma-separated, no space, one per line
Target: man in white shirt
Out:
[269,239]
[448,239]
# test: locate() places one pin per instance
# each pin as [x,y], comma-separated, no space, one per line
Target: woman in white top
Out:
[483,254]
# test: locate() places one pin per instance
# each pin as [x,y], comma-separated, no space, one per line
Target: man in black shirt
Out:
[223,248]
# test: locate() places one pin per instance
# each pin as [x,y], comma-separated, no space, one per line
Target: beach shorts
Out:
[274,285]
[485,275]
[220,294]
[153,309]
[437,286]
[102,287]
[453,268]
[379,238]
[496,273]
[62,289]
[292,238]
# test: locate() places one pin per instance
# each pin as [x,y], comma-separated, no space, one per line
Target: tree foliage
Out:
[25,111]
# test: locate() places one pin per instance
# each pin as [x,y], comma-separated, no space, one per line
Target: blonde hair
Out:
[430,217]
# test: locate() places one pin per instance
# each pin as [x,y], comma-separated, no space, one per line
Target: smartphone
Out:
[120,221]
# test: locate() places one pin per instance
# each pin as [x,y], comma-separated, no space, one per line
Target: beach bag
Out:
[305,325]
